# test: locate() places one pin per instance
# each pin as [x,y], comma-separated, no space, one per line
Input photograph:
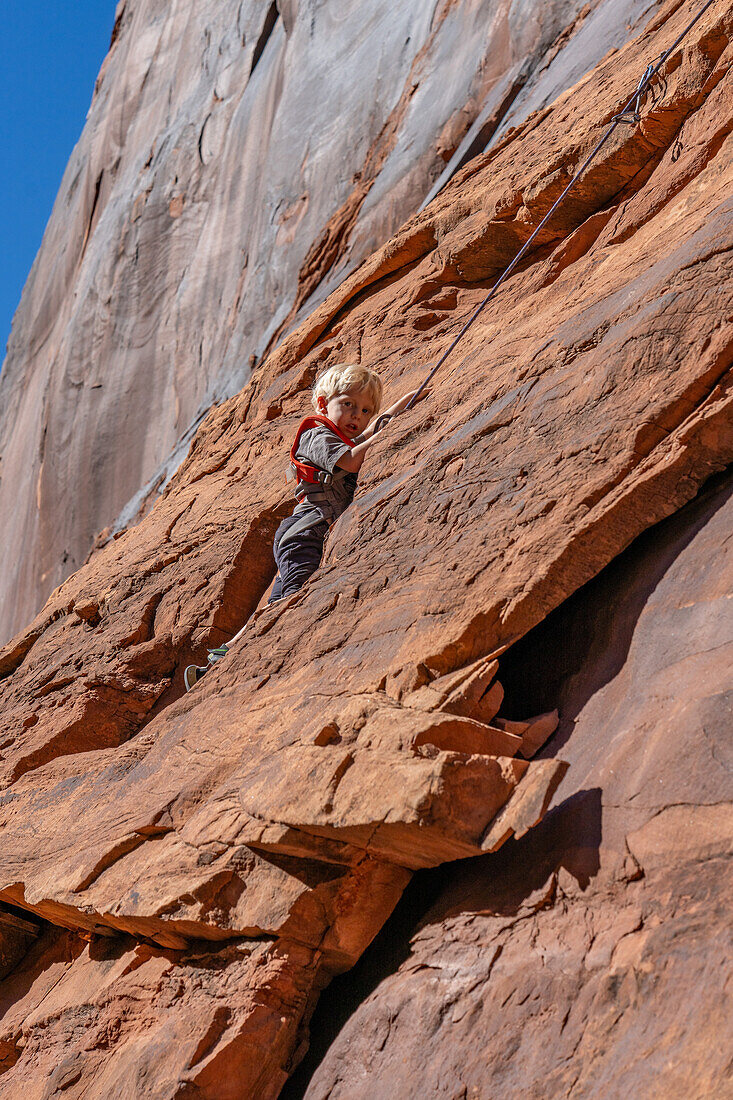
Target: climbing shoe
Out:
[193,673]
[218,653]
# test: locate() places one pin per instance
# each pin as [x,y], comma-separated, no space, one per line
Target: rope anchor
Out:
[634,115]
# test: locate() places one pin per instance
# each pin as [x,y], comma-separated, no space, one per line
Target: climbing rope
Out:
[630,113]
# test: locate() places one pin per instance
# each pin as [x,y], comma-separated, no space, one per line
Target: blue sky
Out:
[51,54]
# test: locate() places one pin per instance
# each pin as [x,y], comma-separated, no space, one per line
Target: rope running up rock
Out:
[630,113]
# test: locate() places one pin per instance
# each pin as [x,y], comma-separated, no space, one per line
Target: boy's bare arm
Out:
[352,460]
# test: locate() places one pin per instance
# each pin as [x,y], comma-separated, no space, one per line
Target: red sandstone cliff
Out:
[180,877]
[239,158]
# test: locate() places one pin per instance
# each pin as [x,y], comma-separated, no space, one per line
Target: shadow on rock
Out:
[509,883]
[583,645]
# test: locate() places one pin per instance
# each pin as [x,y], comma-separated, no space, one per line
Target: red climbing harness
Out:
[307,471]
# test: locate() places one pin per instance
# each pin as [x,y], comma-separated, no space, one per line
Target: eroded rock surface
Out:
[199,1023]
[270,820]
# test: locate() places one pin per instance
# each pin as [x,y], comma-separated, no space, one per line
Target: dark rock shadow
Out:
[500,883]
[384,956]
[584,643]
[504,882]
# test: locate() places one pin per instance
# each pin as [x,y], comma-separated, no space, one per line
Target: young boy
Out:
[327,458]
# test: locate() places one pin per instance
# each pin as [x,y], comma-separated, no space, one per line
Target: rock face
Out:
[193,870]
[585,959]
[213,199]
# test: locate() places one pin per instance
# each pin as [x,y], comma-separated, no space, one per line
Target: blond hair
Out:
[344,378]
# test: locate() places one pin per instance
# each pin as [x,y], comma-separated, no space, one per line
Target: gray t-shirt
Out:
[322,504]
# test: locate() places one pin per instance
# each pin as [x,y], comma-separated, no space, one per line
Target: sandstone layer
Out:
[227,852]
[215,195]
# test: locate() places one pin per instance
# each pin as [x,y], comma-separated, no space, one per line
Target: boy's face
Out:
[350,412]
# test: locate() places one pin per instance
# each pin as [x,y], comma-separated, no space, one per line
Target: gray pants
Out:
[297,557]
